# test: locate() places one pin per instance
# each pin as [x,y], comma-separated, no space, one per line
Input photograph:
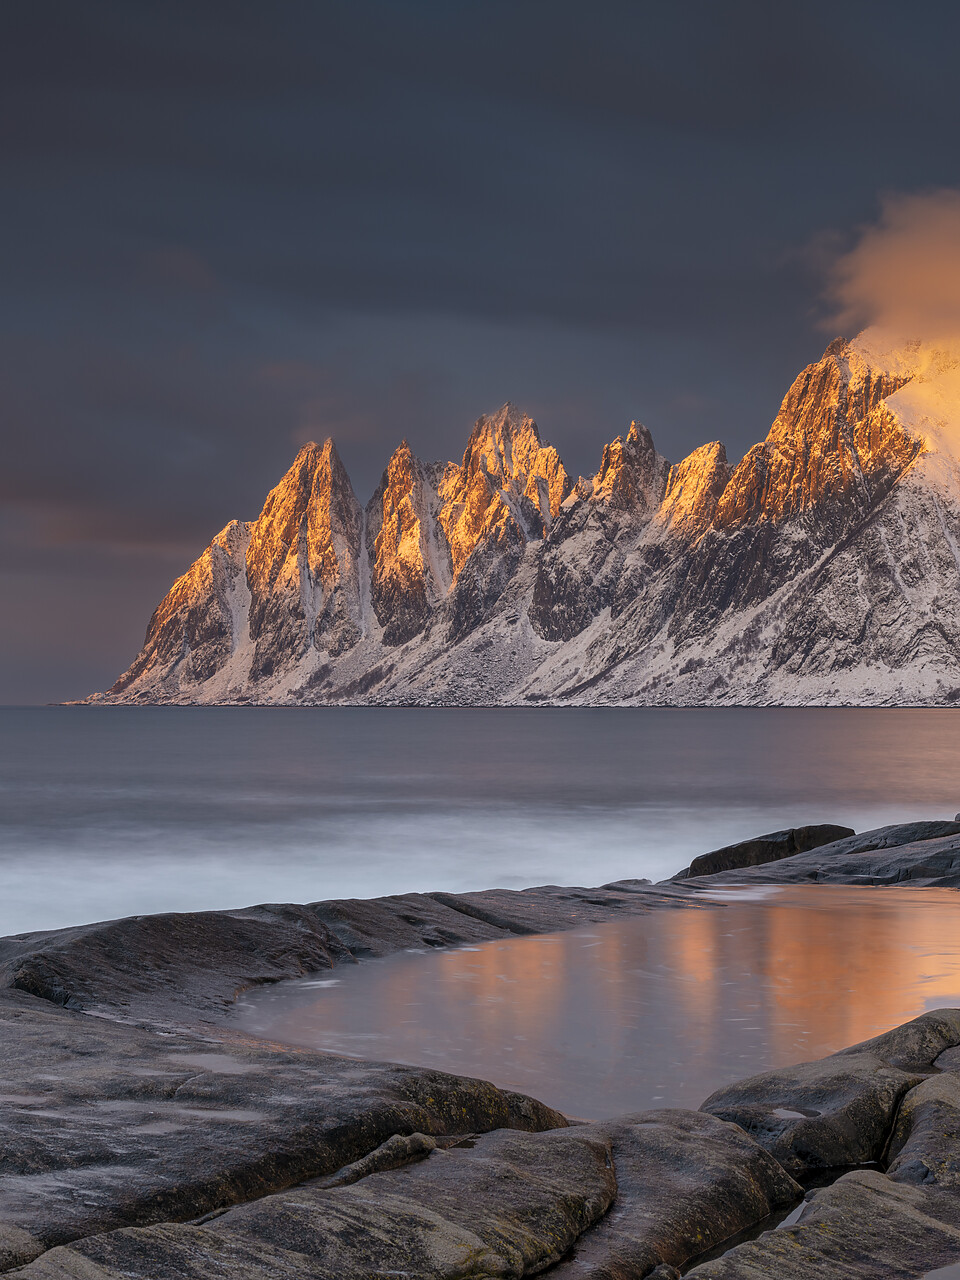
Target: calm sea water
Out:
[111,811]
[654,1011]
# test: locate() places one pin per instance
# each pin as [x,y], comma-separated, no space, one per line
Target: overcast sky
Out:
[233,227]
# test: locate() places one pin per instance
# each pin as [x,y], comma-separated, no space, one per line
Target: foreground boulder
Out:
[150,1142]
[863,1227]
[763,849]
[639,1196]
[839,1110]
[924,1147]
[104,1125]
[500,1205]
[685,1182]
[504,1204]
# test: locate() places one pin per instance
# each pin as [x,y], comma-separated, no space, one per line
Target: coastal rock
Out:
[837,1111]
[379,926]
[104,1125]
[184,969]
[924,1147]
[551,907]
[157,1151]
[176,963]
[504,1204]
[913,1046]
[923,853]
[400,1150]
[181,968]
[685,1182]
[500,1205]
[863,1227]
[762,849]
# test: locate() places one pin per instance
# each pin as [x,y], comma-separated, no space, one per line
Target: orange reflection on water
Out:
[652,1011]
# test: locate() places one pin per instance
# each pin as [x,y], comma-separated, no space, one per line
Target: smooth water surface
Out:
[107,811]
[654,1011]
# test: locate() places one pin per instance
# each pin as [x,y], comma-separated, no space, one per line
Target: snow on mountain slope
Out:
[823,568]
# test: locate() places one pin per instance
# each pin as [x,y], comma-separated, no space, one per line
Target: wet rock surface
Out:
[180,962]
[129,1153]
[924,1147]
[504,1205]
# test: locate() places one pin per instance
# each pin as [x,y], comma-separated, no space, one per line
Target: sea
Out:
[112,811]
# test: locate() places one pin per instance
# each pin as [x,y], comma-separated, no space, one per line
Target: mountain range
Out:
[823,568]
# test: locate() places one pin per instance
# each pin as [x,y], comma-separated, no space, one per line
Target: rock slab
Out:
[763,849]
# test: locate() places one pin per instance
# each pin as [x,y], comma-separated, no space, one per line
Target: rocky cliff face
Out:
[410,563]
[822,568]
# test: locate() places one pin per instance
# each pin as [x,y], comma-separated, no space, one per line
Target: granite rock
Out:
[104,1125]
[921,853]
[763,849]
[501,1205]
[186,968]
[837,1111]
[685,1182]
[863,1227]
[924,1147]
[151,1141]
[174,963]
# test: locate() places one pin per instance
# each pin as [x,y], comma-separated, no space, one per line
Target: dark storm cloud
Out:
[233,226]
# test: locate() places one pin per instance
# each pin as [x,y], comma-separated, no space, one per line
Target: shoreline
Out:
[147,1135]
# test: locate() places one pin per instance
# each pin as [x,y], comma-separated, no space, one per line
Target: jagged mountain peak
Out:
[638,436]
[834,443]
[694,488]
[402,460]
[408,556]
[317,451]
[502,444]
[822,567]
[508,476]
[632,475]
[316,469]
[509,418]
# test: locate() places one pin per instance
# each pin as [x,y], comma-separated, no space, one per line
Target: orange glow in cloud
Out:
[903,274]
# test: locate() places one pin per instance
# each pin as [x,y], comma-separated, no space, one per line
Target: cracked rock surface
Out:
[104,1125]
